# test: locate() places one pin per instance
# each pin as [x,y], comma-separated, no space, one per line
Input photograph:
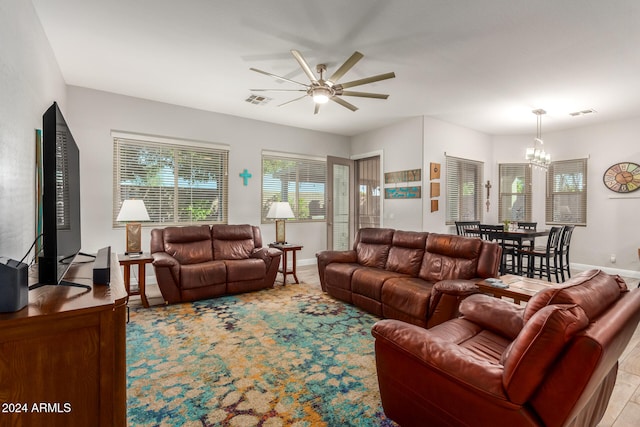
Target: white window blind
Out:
[464,190]
[297,180]
[567,192]
[180,184]
[514,202]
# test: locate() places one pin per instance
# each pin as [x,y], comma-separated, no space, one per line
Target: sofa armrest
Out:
[402,344]
[446,297]
[325,258]
[502,317]
[167,270]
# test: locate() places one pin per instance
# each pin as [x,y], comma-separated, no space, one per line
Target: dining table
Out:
[516,239]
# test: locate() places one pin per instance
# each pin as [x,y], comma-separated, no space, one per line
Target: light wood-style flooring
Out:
[624,406]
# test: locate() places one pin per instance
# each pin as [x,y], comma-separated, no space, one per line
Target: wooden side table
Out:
[127,261]
[286,248]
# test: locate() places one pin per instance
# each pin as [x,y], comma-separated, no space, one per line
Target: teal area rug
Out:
[288,356]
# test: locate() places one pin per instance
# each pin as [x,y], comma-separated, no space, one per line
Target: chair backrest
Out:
[565,240]
[467,228]
[553,241]
[527,225]
[487,231]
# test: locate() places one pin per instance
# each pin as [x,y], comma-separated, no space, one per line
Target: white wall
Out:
[440,138]
[30,80]
[401,146]
[92,115]
[611,221]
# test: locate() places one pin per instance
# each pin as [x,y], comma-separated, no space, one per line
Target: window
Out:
[567,192]
[514,203]
[464,190]
[180,184]
[299,180]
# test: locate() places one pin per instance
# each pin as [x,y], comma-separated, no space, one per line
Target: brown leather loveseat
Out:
[551,363]
[198,262]
[417,277]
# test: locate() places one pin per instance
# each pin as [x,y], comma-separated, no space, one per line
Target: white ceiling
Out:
[482,64]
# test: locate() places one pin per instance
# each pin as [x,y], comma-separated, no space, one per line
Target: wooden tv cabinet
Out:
[63,358]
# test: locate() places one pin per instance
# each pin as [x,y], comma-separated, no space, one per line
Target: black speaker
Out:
[14,285]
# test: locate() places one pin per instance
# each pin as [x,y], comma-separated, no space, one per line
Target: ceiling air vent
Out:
[583,112]
[258,99]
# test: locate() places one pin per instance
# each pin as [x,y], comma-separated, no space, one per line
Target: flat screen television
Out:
[61,238]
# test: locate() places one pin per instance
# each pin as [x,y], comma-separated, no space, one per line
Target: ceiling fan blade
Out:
[316,108]
[364,94]
[353,59]
[293,100]
[343,103]
[368,80]
[303,64]
[277,77]
[278,90]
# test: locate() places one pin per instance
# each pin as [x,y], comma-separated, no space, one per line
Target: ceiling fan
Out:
[322,90]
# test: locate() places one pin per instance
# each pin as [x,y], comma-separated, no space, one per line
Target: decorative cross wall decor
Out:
[245,175]
[488,187]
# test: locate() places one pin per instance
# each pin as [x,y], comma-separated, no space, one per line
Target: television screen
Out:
[61,237]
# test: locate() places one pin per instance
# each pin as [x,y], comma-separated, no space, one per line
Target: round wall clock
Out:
[623,177]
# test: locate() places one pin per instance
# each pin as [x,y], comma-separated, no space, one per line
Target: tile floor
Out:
[624,405]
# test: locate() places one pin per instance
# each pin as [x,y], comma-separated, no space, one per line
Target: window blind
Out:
[300,181]
[567,192]
[464,190]
[179,184]
[515,198]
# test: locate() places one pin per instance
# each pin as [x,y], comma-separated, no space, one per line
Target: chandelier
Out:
[536,154]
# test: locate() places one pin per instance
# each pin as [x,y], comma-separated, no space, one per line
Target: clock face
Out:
[622,177]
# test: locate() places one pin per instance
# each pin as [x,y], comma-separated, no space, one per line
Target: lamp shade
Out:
[133,210]
[280,210]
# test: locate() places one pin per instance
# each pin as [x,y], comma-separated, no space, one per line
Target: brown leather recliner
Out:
[198,262]
[551,363]
[417,277]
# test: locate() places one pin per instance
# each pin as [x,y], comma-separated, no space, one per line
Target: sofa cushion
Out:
[593,290]
[368,281]
[406,253]
[245,269]
[372,246]
[188,245]
[232,241]
[406,299]
[450,257]
[203,274]
[529,357]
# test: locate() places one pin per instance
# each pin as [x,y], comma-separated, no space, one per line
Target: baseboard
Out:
[623,273]
[308,261]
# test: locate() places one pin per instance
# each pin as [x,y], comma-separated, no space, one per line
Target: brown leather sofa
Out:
[198,262]
[551,363]
[417,277]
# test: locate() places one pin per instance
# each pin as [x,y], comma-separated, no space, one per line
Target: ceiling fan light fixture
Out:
[321,95]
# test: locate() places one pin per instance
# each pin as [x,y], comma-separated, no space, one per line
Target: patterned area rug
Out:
[280,357]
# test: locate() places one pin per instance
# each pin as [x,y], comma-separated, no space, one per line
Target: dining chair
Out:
[563,252]
[467,228]
[544,260]
[508,264]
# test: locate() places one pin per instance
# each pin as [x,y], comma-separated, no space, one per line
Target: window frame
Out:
[580,166]
[527,186]
[210,157]
[316,166]
[454,181]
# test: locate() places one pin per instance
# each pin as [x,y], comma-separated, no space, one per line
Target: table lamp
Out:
[132,212]
[280,211]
